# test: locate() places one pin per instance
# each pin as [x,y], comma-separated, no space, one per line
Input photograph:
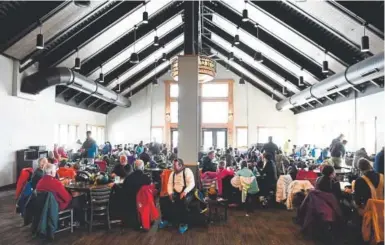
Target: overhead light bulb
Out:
[364,42]
[78,62]
[145,15]
[325,65]
[245,16]
[101,75]
[236,39]
[40,40]
[242,81]
[156,38]
[164,57]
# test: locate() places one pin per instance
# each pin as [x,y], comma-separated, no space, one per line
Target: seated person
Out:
[144,156]
[62,153]
[180,183]
[362,191]
[207,163]
[39,172]
[51,158]
[253,188]
[48,183]
[131,158]
[281,162]
[122,169]
[328,183]
[131,185]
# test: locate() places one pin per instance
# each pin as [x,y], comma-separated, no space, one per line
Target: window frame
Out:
[237,135]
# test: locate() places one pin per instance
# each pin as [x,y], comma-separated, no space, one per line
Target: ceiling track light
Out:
[245,15]
[236,38]
[231,56]
[242,81]
[364,42]
[101,75]
[284,89]
[134,59]
[325,65]
[145,15]
[300,78]
[78,62]
[164,57]
[258,57]
[156,38]
[40,39]
[117,80]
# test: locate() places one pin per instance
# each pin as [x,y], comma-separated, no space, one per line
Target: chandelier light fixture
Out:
[206,71]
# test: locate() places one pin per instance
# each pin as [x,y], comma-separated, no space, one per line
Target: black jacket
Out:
[326,184]
[361,189]
[338,150]
[122,171]
[270,148]
[145,157]
[208,165]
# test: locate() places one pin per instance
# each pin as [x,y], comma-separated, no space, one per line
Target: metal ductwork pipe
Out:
[366,70]
[37,82]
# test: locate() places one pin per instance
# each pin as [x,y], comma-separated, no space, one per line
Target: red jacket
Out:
[25,175]
[146,206]
[50,184]
[306,175]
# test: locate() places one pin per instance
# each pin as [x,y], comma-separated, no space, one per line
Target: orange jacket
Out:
[66,173]
[373,218]
[164,181]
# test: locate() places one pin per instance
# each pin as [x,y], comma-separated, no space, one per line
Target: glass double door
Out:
[212,137]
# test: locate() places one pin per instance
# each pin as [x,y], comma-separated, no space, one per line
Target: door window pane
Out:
[215,112]
[208,140]
[174,90]
[157,135]
[175,139]
[242,137]
[174,112]
[215,90]
[221,139]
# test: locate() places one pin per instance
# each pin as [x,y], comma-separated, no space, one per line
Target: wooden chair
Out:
[99,205]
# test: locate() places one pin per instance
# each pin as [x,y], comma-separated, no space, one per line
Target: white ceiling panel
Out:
[266,50]
[339,22]
[257,65]
[149,60]
[249,74]
[148,76]
[115,32]
[287,35]
[140,44]
[59,22]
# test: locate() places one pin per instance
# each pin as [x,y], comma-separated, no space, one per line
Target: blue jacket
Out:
[379,162]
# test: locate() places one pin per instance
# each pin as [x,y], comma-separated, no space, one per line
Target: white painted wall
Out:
[133,124]
[355,120]
[26,122]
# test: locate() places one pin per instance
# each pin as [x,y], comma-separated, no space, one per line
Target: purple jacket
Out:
[318,204]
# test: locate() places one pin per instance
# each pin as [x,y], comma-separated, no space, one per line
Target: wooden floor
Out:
[263,227]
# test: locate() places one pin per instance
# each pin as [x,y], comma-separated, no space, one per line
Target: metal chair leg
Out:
[72,220]
[91,221]
[108,220]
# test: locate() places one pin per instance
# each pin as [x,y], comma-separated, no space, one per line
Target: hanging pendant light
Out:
[101,75]
[364,42]
[40,40]
[236,38]
[78,62]
[145,15]
[156,38]
[300,78]
[258,57]
[325,65]
[245,16]
[134,59]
